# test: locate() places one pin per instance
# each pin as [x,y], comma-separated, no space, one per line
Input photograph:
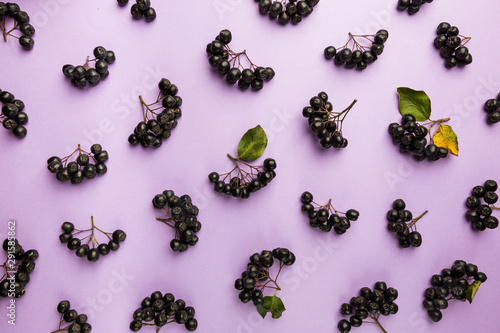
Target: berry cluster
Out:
[241,183]
[81,167]
[412,6]
[158,126]
[228,63]
[326,124]
[77,322]
[84,74]
[357,55]
[17,268]
[161,310]
[492,107]
[256,277]
[182,216]
[401,221]
[451,46]
[479,213]
[13,118]
[286,10]
[325,217]
[456,282]
[89,246]
[21,22]
[411,138]
[141,8]
[369,304]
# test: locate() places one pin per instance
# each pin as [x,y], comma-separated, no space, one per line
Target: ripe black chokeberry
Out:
[85,165]
[239,182]
[324,122]
[451,46]
[158,125]
[77,322]
[286,11]
[142,8]
[412,6]
[182,215]
[89,246]
[355,54]
[326,217]
[256,278]
[369,304]
[460,282]
[480,206]
[84,75]
[229,63]
[401,221]
[492,108]
[410,135]
[163,310]
[17,268]
[12,117]
[21,22]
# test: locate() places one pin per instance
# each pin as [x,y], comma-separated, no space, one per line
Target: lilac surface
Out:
[329,269]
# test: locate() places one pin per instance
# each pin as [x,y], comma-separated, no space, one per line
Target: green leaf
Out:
[471,291]
[272,304]
[252,144]
[446,138]
[262,311]
[414,102]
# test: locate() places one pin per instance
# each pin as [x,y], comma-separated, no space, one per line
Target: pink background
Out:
[368,175]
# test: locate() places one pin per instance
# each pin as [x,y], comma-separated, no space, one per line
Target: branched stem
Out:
[244,176]
[415,220]
[375,319]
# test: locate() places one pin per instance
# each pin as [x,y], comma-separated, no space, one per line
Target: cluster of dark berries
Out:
[451,46]
[456,282]
[159,310]
[13,117]
[492,107]
[77,322]
[369,304]
[182,216]
[241,183]
[89,246]
[17,267]
[84,74]
[412,6]
[81,167]
[411,138]
[326,217]
[357,55]
[158,125]
[480,206]
[228,63]
[288,10]
[256,277]
[141,8]
[326,124]
[21,22]
[401,221]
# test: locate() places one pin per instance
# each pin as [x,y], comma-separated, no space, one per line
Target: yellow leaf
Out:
[446,138]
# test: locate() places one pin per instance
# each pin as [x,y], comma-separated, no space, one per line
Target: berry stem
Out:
[415,220]
[375,318]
